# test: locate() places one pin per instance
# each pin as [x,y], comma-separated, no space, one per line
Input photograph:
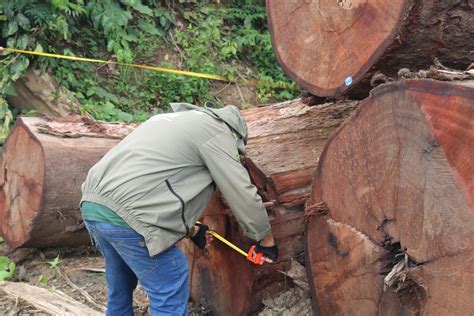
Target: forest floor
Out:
[80,272]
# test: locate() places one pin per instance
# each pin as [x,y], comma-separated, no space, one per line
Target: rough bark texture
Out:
[321,43]
[39,91]
[397,180]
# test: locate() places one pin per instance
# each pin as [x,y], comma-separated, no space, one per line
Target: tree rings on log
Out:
[44,165]
[397,180]
[334,47]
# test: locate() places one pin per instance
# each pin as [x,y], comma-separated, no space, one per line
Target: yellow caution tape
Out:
[90,60]
[228,243]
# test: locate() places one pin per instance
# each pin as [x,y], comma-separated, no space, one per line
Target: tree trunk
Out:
[42,175]
[397,181]
[333,47]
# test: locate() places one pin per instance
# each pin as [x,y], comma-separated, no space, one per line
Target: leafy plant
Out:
[6,119]
[43,280]
[54,264]
[230,40]
[7,268]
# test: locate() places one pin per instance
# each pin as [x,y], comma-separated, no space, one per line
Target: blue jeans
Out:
[164,276]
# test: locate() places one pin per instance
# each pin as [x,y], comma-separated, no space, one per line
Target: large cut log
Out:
[333,47]
[285,141]
[41,178]
[397,182]
[44,170]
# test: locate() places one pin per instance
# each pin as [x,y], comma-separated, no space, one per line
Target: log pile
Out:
[285,141]
[397,180]
[389,204]
[45,163]
[334,47]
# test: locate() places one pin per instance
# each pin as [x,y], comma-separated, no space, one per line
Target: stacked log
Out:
[397,180]
[334,47]
[45,163]
[285,141]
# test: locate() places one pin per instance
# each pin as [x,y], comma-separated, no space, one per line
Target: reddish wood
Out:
[398,180]
[321,43]
[42,174]
[284,145]
[285,141]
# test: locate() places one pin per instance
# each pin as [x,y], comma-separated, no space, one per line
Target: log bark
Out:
[40,92]
[322,43]
[397,180]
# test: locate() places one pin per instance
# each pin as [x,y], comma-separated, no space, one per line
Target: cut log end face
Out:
[333,47]
[397,179]
[327,45]
[23,165]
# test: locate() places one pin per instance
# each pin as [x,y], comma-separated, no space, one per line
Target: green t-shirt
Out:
[97,212]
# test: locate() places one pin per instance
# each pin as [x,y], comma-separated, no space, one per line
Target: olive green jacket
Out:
[161,176]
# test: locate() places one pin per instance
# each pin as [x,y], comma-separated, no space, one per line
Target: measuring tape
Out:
[258,259]
[160,69]
[91,60]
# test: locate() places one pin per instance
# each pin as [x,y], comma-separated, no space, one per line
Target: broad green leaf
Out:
[3,262]
[39,48]
[105,94]
[4,275]
[129,37]
[23,22]
[11,29]
[43,280]
[22,42]
[148,27]
[125,117]
[164,21]
[137,5]
[18,67]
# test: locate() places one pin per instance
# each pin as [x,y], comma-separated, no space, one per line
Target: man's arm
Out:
[220,155]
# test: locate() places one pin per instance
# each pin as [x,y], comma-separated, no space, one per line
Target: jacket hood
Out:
[229,114]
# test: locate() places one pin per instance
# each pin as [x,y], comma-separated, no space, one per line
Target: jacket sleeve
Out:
[221,157]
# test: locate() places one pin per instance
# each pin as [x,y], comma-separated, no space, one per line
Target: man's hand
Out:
[269,249]
[201,236]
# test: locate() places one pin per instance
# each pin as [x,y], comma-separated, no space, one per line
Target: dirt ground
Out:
[80,273]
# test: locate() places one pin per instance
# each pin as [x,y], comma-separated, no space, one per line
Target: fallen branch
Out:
[54,303]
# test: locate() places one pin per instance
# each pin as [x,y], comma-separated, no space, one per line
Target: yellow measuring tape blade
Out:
[228,243]
[91,60]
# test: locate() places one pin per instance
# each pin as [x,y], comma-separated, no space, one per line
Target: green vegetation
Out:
[42,280]
[54,264]
[7,268]
[201,36]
